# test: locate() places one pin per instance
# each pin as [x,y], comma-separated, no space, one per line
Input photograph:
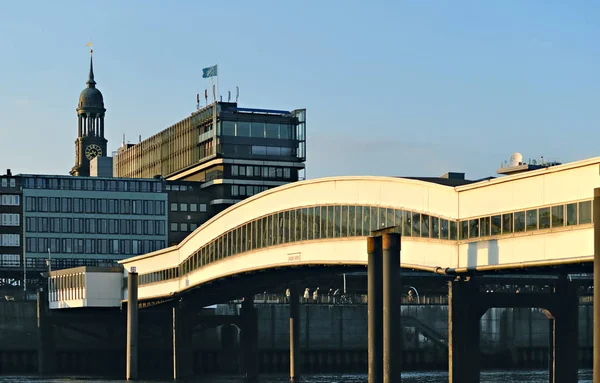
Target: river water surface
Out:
[585,376]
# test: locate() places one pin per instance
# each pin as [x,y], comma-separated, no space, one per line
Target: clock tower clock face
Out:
[92,151]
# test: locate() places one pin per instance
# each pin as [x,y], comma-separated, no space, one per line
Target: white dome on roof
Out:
[516,159]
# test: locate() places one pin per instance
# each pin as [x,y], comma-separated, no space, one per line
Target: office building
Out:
[88,221]
[231,152]
[11,226]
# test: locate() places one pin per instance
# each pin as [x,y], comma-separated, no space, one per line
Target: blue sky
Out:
[390,88]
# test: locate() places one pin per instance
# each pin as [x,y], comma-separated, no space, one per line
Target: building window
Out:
[10,220]
[173,207]
[11,240]
[183,207]
[184,227]
[193,207]
[174,226]
[203,207]
[10,200]
[12,183]
[193,226]
[234,170]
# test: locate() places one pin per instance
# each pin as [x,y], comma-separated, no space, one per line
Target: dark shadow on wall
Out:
[492,250]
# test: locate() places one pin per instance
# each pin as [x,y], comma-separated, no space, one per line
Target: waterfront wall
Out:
[332,338]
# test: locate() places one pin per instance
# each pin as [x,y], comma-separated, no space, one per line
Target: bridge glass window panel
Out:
[352,221]
[270,236]
[571,214]
[344,224]
[240,239]
[265,232]
[305,224]
[453,230]
[444,229]
[585,212]
[330,222]
[507,223]
[292,218]
[249,237]
[464,230]
[531,219]
[375,225]
[558,216]
[390,218]
[416,224]
[358,210]
[474,228]
[424,225]
[435,228]
[320,224]
[496,225]
[484,223]
[310,223]
[337,215]
[367,220]
[519,221]
[398,219]
[382,218]
[406,223]
[544,218]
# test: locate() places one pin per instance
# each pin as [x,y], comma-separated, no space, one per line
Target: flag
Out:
[88,44]
[209,72]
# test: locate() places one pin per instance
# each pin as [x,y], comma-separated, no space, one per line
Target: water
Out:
[585,376]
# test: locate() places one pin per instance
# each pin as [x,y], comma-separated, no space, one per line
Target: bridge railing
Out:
[345,299]
[342,299]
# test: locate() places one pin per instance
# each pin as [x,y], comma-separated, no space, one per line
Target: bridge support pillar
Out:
[46,348]
[464,315]
[249,340]
[392,329]
[183,359]
[294,334]
[596,352]
[564,334]
[375,309]
[132,369]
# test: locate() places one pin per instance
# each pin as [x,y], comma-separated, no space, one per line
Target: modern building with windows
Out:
[232,152]
[89,221]
[11,222]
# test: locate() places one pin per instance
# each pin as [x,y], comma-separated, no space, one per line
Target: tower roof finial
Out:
[90,82]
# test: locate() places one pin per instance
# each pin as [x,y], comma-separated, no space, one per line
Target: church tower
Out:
[90,141]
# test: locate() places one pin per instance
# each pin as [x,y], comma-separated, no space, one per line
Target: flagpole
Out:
[211,88]
[217,67]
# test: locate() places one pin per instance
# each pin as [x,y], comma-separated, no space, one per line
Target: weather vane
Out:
[91,49]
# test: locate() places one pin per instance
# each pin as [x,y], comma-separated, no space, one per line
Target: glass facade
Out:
[83,221]
[342,221]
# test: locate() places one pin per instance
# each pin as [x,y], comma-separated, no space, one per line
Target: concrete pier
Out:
[46,347]
[294,335]
[249,340]
[132,368]
[392,327]
[375,309]
[183,358]
[596,357]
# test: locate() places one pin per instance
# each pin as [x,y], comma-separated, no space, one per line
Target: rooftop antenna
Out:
[197,101]
[228,96]
[140,138]
[206,95]
[237,93]
[123,143]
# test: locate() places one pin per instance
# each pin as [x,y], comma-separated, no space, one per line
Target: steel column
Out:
[375,309]
[392,328]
